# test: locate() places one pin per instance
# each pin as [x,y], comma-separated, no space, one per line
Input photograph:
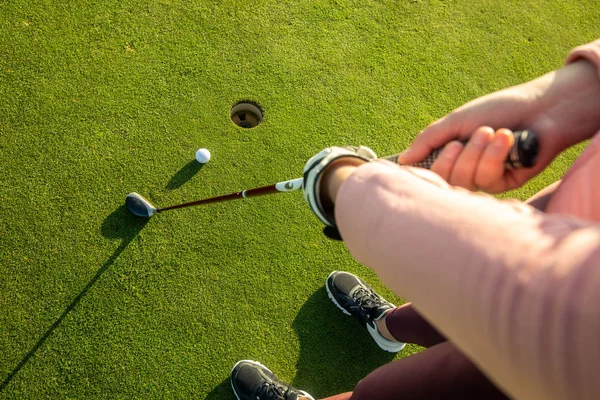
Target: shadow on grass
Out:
[221,392]
[120,224]
[184,174]
[335,350]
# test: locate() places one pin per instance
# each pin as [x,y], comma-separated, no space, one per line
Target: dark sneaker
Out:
[355,297]
[253,381]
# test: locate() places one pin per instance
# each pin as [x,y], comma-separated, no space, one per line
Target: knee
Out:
[361,391]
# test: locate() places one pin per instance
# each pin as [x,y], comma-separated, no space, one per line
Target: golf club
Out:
[143,208]
[523,154]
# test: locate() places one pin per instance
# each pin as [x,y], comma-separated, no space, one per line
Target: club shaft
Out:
[523,154]
[286,186]
[233,196]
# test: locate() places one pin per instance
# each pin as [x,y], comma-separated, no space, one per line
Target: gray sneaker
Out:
[355,297]
[253,381]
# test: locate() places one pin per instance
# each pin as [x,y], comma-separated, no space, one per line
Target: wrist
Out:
[565,110]
[334,176]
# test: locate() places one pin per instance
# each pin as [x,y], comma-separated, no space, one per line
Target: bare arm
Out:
[515,289]
[561,107]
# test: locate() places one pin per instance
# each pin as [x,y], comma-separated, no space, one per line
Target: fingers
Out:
[466,166]
[445,162]
[433,137]
[479,164]
[510,107]
[491,165]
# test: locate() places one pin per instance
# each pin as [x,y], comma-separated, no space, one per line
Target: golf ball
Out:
[202,156]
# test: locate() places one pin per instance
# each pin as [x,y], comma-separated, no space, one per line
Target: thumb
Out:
[436,135]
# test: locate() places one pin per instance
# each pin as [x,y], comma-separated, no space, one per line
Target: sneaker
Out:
[355,297]
[253,381]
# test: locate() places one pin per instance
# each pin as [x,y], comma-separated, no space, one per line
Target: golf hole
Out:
[246,114]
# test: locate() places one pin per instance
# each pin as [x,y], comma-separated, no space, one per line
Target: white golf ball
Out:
[203,156]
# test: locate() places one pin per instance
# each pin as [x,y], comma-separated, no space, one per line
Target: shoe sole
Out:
[302,392]
[392,347]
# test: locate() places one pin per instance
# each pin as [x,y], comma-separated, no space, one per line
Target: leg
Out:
[342,396]
[390,326]
[540,199]
[406,325]
[441,371]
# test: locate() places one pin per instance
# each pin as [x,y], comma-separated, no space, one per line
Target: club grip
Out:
[523,153]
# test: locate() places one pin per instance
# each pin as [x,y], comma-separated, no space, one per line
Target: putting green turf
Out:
[98,99]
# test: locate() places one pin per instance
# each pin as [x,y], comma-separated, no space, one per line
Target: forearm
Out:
[567,104]
[510,286]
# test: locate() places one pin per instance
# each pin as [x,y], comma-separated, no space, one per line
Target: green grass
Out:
[98,99]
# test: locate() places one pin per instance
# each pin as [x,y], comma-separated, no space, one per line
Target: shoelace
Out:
[367,301]
[271,391]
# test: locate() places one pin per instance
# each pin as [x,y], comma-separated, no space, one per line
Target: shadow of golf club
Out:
[335,350]
[184,174]
[120,224]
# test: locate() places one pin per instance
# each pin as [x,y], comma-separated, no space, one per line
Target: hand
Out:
[318,187]
[478,164]
[560,107]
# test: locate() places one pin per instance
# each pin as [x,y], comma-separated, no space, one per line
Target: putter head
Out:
[139,206]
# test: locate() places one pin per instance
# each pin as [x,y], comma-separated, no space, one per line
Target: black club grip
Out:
[523,153]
